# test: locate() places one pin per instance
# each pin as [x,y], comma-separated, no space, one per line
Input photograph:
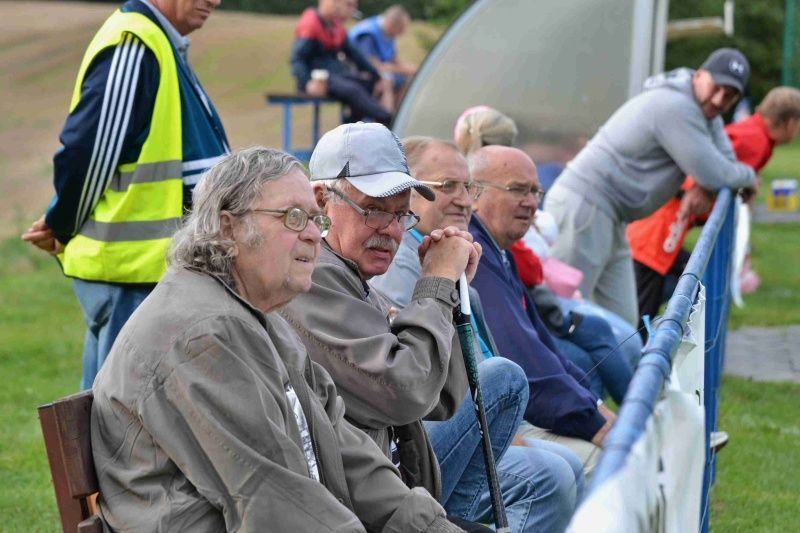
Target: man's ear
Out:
[227,223]
[321,196]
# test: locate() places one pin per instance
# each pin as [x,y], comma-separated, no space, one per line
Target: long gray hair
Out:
[233,185]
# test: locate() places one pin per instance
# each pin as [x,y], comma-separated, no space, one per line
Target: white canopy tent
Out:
[559,68]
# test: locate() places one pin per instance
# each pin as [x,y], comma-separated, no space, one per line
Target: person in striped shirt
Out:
[141,131]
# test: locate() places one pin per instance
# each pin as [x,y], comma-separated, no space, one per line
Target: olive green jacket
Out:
[390,375]
[193,428]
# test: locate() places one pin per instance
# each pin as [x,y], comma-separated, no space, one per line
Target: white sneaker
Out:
[717,440]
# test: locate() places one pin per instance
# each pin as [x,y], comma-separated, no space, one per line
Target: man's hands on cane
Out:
[41,236]
[448,253]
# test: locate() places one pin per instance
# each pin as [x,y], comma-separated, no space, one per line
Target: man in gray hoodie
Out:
[636,162]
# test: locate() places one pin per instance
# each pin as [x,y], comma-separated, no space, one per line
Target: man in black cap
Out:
[637,162]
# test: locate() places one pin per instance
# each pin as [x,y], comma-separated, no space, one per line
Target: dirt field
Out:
[238,57]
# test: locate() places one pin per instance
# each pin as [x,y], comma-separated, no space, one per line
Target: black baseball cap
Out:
[728,66]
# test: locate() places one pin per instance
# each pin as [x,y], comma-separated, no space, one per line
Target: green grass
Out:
[758,487]
[785,163]
[775,257]
[40,345]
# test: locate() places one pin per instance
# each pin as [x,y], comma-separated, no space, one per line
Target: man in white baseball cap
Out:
[390,369]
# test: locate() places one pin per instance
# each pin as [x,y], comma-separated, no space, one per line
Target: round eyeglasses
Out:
[379,220]
[296,219]
[455,187]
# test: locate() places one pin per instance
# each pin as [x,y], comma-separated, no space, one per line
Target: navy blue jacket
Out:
[558,402]
[85,164]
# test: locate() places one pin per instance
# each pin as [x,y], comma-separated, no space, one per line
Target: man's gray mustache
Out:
[381,241]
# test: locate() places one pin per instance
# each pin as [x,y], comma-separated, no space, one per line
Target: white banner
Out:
[659,488]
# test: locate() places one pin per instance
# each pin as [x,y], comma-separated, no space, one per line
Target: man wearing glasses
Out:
[392,370]
[561,408]
[542,482]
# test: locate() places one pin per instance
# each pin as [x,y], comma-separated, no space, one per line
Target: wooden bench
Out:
[67,439]
[288,101]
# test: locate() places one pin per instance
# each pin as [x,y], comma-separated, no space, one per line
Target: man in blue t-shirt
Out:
[375,37]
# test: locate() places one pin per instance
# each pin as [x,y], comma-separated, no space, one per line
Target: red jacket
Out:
[656,240]
[529,266]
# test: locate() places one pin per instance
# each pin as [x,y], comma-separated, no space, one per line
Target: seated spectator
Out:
[440,165]
[208,414]
[393,369]
[320,40]
[656,241]
[584,336]
[376,37]
[561,406]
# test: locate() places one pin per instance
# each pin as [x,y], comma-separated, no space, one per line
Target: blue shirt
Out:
[369,37]
[558,401]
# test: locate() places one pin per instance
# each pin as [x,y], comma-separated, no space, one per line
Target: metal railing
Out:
[710,263]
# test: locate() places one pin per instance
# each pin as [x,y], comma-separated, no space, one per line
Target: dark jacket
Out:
[91,149]
[558,402]
[318,44]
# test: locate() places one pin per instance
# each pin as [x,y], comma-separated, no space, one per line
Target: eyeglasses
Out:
[519,191]
[455,187]
[379,219]
[296,219]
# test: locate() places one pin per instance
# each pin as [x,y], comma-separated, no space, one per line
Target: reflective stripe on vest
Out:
[145,173]
[127,235]
[130,231]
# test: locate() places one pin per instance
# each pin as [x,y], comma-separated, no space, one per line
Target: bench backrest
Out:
[66,428]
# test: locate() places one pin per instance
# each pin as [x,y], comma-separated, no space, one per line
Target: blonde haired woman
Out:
[481,126]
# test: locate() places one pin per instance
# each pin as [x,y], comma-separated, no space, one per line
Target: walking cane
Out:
[461,317]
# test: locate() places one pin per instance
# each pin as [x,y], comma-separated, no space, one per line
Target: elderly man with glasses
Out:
[208,414]
[551,474]
[562,407]
[392,369]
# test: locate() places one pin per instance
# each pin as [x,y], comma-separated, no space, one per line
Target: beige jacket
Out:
[390,376]
[193,429]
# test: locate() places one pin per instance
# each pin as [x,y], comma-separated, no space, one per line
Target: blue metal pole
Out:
[717,283]
[287,128]
[654,368]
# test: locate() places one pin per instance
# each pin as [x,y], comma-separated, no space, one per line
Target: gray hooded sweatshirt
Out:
[640,156]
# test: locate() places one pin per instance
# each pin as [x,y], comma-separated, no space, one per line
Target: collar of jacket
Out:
[260,315]
[326,247]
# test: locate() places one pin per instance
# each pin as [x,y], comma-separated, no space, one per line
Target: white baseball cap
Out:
[369,156]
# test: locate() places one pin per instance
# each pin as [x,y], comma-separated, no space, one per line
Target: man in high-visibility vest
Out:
[140,132]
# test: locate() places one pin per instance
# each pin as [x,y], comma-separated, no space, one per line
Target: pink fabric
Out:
[562,278]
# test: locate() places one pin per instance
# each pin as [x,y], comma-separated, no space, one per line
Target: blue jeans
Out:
[106,308]
[592,347]
[539,487]
[630,344]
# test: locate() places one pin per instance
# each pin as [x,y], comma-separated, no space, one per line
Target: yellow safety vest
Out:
[127,235]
